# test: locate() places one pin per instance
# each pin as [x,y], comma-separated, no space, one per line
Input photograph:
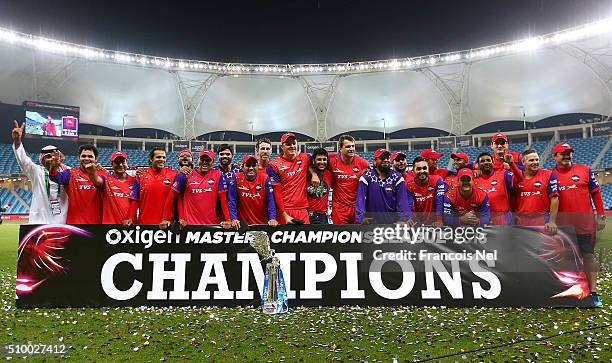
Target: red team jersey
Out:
[440,172]
[427,199]
[85,202]
[532,198]
[199,196]
[499,164]
[575,187]
[151,190]
[498,187]
[455,205]
[345,179]
[116,198]
[291,176]
[252,201]
[319,205]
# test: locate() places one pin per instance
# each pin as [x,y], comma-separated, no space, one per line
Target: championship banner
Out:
[602,129]
[180,145]
[373,265]
[446,142]
[464,141]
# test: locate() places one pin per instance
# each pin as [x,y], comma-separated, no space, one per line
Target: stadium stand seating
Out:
[8,163]
[585,150]
[16,207]
[606,192]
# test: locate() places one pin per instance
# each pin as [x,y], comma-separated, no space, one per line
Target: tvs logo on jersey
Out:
[356,169]
[575,178]
[537,184]
[166,181]
[211,181]
[258,187]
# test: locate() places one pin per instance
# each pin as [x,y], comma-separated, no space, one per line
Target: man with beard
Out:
[432,158]
[197,193]
[263,150]
[537,195]
[346,168]
[225,166]
[318,196]
[49,200]
[228,169]
[577,189]
[426,194]
[498,185]
[85,202]
[150,190]
[381,194]
[460,161]
[288,178]
[400,163]
[250,196]
[465,204]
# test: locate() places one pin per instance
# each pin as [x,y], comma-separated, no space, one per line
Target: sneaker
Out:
[596,300]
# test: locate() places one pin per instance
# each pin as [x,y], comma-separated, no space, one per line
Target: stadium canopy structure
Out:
[530,79]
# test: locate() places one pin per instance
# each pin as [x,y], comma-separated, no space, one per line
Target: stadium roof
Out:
[535,78]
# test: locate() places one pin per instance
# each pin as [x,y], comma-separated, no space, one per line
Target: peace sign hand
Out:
[17,133]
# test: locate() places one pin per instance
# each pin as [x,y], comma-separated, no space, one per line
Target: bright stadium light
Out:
[102,55]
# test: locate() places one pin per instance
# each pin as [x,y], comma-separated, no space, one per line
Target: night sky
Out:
[291,31]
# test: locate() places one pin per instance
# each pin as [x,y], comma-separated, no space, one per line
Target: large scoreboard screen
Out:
[46,119]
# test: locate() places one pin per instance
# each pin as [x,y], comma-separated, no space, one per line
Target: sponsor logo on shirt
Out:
[568,187]
[299,162]
[283,167]
[211,181]
[242,187]
[356,169]
[474,205]
[166,181]
[537,184]
[575,178]
[531,194]
[250,195]
[430,188]
[258,187]
[494,182]
[78,178]
[292,173]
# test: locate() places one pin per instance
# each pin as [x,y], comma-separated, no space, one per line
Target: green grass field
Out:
[312,334]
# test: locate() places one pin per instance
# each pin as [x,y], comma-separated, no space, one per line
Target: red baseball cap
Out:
[464,172]
[396,154]
[208,153]
[185,151]
[286,136]
[430,154]
[461,155]
[561,147]
[248,157]
[499,136]
[378,153]
[117,154]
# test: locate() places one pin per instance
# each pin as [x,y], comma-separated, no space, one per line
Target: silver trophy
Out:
[274,296]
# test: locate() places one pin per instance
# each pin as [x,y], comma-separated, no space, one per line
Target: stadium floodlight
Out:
[524,45]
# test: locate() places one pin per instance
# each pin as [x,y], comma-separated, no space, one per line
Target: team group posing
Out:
[499,188]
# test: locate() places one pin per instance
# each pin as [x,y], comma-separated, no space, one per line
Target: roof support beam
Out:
[320,91]
[191,93]
[588,58]
[452,86]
